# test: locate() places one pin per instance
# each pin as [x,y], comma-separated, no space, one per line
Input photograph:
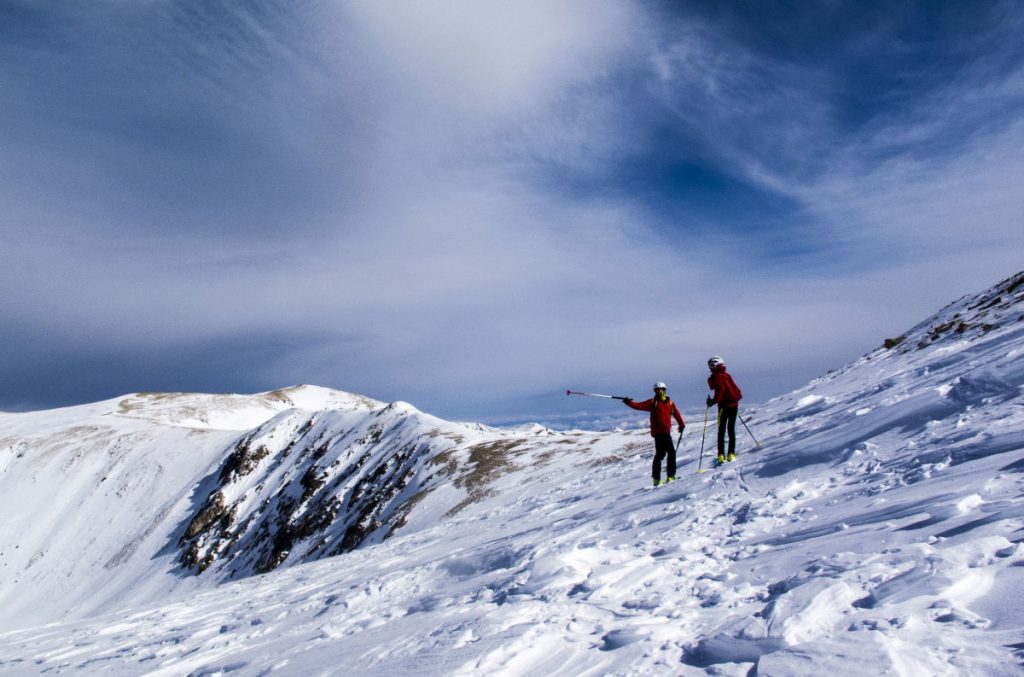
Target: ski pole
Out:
[702,436]
[759,445]
[610,397]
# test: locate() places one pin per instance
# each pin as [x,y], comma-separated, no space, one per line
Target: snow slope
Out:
[878,531]
[126,501]
[90,495]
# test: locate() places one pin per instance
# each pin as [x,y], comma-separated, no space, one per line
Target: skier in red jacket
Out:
[663,410]
[727,396]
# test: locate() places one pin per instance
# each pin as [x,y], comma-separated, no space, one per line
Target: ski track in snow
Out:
[879,531]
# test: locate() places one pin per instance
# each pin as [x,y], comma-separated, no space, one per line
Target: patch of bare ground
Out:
[487,461]
[279,396]
[634,448]
[448,461]
[629,449]
[475,495]
[81,431]
[579,447]
[606,460]
[140,400]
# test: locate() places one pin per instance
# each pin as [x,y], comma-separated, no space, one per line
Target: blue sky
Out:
[474,206]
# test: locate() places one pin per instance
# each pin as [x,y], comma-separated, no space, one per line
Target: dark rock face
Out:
[214,518]
[242,461]
[310,485]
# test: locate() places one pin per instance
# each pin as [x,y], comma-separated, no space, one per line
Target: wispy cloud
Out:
[470,205]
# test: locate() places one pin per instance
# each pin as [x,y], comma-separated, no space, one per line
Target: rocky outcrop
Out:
[310,485]
[970,317]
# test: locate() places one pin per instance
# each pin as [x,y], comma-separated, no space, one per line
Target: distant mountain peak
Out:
[236,412]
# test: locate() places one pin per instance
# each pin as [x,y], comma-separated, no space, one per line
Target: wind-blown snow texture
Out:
[877,532]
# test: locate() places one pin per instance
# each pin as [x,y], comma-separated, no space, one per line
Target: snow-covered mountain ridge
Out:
[235,412]
[131,497]
[878,531]
[308,485]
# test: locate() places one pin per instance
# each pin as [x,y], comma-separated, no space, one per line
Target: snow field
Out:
[879,531]
[706,572]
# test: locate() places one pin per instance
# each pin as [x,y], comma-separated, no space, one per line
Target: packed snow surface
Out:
[877,531]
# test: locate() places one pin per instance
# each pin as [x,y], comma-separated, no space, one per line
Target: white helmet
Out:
[660,385]
[714,361]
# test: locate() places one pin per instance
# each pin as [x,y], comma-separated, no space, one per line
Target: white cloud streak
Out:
[451,273]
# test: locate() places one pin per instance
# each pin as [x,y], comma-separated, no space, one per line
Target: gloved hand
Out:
[627,400]
[682,428]
[711,401]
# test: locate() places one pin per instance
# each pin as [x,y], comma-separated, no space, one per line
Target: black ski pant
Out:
[727,423]
[663,447]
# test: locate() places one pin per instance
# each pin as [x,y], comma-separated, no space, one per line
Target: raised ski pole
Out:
[759,445]
[702,436]
[610,397]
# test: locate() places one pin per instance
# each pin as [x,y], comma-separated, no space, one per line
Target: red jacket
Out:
[662,414]
[727,393]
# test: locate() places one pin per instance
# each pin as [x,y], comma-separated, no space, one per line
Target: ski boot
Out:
[721,459]
[732,457]
[656,481]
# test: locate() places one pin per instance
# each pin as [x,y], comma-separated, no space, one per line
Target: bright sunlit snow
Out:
[878,531]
